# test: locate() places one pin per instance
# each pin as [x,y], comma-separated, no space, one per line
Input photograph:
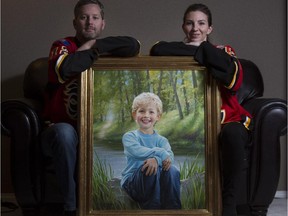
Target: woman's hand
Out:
[166,164]
[151,165]
[194,43]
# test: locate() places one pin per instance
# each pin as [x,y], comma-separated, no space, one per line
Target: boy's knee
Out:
[174,169]
[173,172]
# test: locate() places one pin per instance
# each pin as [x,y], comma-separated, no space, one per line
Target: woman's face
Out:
[196,27]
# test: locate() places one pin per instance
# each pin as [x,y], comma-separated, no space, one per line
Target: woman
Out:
[223,65]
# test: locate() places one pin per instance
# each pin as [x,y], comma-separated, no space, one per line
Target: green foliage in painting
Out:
[181,92]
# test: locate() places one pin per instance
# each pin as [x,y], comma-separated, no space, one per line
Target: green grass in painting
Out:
[192,175]
[186,134]
[102,196]
[192,188]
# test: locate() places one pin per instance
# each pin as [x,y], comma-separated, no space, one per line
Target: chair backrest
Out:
[252,85]
[36,78]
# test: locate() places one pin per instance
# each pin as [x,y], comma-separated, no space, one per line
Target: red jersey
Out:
[65,63]
[231,110]
[223,66]
[61,98]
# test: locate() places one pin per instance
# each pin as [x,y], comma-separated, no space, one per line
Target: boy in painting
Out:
[149,177]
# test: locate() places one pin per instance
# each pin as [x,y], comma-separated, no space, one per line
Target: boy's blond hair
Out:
[146,98]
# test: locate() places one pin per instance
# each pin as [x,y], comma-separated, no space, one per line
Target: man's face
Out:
[88,23]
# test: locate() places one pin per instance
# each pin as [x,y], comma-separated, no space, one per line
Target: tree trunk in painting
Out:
[174,83]
[187,105]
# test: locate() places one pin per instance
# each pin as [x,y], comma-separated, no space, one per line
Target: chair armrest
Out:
[31,109]
[20,121]
[270,122]
[277,108]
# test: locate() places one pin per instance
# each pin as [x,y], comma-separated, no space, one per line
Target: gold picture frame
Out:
[211,130]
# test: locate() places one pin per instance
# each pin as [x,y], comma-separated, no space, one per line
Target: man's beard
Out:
[90,35]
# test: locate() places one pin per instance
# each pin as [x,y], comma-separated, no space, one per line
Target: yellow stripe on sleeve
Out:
[57,67]
[234,77]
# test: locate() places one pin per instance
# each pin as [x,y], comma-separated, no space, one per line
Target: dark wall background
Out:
[256,29]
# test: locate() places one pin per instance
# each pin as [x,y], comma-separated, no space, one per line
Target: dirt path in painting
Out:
[102,133]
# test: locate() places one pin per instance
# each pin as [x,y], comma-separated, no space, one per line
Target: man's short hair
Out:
[80,3]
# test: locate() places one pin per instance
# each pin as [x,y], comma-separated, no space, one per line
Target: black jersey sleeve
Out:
[220,64]
[123,46]
[77,62]
[174,48]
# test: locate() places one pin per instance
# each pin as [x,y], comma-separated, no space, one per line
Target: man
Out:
[68,58]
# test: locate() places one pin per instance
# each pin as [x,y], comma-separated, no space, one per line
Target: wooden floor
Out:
[277,208]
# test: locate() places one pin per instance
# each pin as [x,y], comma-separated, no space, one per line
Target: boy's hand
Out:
[166,164]
[151,165]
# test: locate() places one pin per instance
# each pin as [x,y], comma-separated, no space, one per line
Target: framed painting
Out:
[190,121]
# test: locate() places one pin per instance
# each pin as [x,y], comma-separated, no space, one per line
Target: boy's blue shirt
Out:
[139,146]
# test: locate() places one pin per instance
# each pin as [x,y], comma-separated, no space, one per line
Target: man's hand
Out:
[87,45]
[166,164]
[151,165]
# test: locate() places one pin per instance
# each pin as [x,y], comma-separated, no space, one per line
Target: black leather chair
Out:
[261,173]
[33,180]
